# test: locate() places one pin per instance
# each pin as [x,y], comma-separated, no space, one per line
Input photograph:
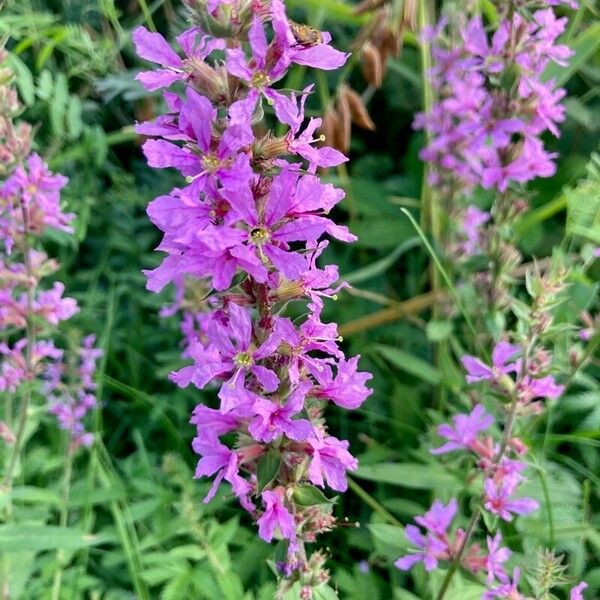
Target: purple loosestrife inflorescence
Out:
[29,310]
[499,463]
[494,103]
[485,131]
[71,391]
[243,236]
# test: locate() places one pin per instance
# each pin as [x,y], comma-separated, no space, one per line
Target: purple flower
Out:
[481,131]
[53,307]
[303,145]
[465,430]
[214,420]
[218,460]
[259,75]
[71,392]
[508,590]
[288,217]
[431,549]
[39,189]
[276,517]
[472,221]
[433,545]
[330,459]
[533,161]
[311,336]
[498,501]
[439,517]
[347,389]
[319,56]
[363,567]
[502,354]
[231,353]
[497,556]
[544,387]
[198,160]
[243,236]
[577,592]
[274,420]
[13,367]
[154,48]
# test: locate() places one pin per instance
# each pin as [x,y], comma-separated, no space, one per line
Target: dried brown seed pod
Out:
[343,132]
[372,65]
[368,6]
[409,16]
[330,125]
[358,110]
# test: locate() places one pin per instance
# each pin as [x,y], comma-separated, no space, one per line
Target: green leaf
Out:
[583,205]
[409,363]
[389,539]
[59,104]
[325,592]
[267,469]
[74,120]
[309,495]
[24,79]
[30,494]
[19,538]
[410,475]
[44,85]
[230,585]
[381,232]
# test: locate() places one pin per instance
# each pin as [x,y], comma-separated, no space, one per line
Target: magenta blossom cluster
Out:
[247,229]
[30,311]
[435,543]
[71,391]
[494,104]
[29,204]
[524,383]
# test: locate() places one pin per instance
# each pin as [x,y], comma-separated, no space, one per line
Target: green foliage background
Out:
[137,526]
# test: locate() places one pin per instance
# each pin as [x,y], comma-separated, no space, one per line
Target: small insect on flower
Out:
[305,35]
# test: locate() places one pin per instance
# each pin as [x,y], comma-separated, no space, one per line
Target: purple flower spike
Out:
[241,240]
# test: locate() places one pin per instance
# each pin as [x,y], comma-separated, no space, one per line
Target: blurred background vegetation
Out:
[138,526]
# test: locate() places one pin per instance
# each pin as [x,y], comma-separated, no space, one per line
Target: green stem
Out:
[430,218]
[30,333]
[368,499]
[64,519]
[24,409]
